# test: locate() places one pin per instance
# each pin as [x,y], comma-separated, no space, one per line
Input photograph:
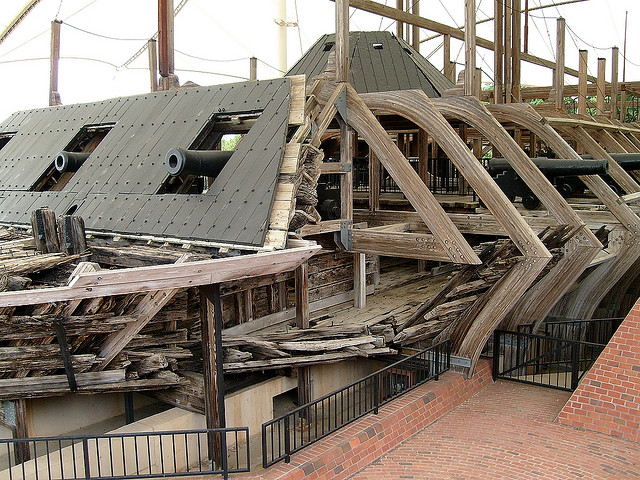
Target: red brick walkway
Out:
[506,431]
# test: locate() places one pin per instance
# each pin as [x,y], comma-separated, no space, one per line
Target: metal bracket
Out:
[344,238]
[346,167]
[460,361]
[67,233]
[39,224]
[341,104]
[314,129]
[66,355]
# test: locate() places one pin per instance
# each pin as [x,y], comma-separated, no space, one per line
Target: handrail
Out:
[313,421]
[128,455]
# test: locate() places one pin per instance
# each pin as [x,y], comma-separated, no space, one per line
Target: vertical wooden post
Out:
[253,68]
[359,280]
[469,45]
[525,47]
[498,40]
[454,76]
[342,40]
[54,94]
[477,83]
[516,45]
[211,324]
[423,156]
[558,77]
[623,104]
[346,137]
[44,227]
[508,37]
[446,48]
[168,79]
[374,182]
[152,47]
[302,295]
[615,56]
[582,82]
[72,238]
[22,452]
[303,321]
[399,24]
[602,66]
[415,35]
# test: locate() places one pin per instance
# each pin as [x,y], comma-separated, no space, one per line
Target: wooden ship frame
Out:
[119,276]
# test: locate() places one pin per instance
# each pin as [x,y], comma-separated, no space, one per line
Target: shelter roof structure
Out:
[380,62]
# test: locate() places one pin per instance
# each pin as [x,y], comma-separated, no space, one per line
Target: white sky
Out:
[232,31]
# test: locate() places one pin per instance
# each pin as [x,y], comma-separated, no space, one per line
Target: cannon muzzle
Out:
[70,161]
[204,163]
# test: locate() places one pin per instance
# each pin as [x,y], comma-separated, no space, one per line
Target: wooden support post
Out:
[615,56]
[71,231]
[152,47]
[516,18]
[623,104]
[399,24]
[508,37]
[602,66]
[469,45]
[558,74]
[454,75]
[253,68]
[477,83]
[168,79]
[374,182]
[415,34]
[446,49]
[54,94]
[359,280]
[212,366]
[303,321]
[423,156]
[582,82]
[498,40]
[22,452]
[302,295]
[45,230]
[525,47]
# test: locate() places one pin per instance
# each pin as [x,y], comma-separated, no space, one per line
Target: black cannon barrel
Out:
[552,167]
[628,161]
[205,163]
[70,161]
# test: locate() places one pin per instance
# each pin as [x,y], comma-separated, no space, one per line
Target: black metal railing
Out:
[313,421]
[542,360]
[128,455]
[595,330]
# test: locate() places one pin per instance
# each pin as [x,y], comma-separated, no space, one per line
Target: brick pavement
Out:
[507,431]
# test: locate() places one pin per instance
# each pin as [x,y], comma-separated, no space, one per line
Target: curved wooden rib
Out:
[538,301]
[443,229]
[418,108]
[582,302]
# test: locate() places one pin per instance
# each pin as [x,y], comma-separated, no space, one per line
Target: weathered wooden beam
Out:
[360,280]
[558,73]
[162,277]
[417,107]
[407,245]
[582,82]
[602,63]
[408,180]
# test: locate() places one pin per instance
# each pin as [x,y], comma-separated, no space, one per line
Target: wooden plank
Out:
[582,82]
[469,46]
[298,99]
[588,124]
[160,277]
[406,245]
[290,159]
[408,180]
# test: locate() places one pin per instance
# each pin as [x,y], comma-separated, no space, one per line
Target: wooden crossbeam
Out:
[161,277]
